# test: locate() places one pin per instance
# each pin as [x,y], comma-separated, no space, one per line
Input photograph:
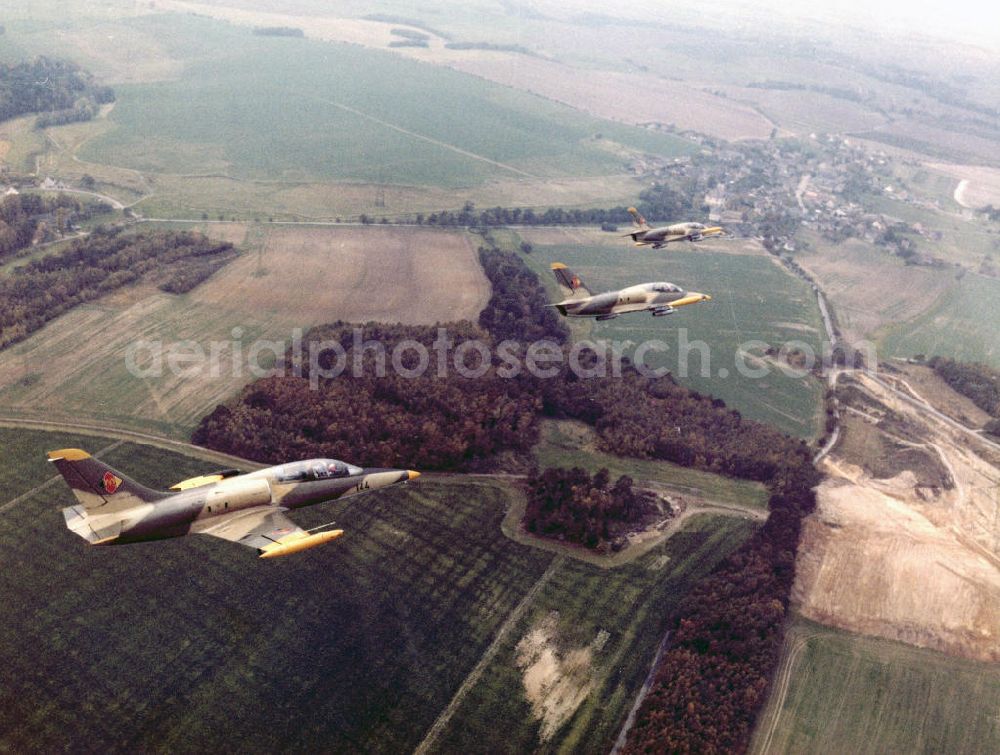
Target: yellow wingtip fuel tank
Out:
[298,542]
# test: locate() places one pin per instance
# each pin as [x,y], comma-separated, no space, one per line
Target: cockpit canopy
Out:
[314,469]
[666,288]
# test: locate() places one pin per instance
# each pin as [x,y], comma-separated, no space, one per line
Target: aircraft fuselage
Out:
[655,297]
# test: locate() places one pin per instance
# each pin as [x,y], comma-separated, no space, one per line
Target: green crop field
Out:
[254,108]
[197,644]
[753,299]
[572,444]
[625,603]
[961,240]
[963,324]
[837,692]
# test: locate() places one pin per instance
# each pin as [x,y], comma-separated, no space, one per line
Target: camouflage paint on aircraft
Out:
[659,298]
[247,509]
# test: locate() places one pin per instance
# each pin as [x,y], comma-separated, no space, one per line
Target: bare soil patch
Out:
[895,555]
[556,680]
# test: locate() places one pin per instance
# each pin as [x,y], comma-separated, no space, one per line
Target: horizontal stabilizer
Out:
[570,282]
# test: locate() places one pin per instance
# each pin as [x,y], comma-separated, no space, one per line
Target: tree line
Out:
[46,85]
[659,203]
[726,634]
[108,259]
[977,382]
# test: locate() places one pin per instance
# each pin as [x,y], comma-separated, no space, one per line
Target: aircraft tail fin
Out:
[98,487]
[570,281]
[637,219]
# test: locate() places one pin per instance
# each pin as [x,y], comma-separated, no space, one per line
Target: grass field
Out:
[869,288]
[20,144]
[288,277]
[962,241]
[187,196]
[908,310]
[754,299]
[963,324]
[837,692]
[573,444]
[196,644]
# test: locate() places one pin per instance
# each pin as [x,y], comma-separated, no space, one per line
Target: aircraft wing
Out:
[265,528]
[639,306]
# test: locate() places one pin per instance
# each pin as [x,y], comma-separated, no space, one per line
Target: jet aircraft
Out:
[643,235]
[248,509]
[659,298]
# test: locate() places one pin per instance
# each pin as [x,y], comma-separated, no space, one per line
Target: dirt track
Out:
[899,556]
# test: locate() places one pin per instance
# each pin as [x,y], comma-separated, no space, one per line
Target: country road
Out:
[928,409]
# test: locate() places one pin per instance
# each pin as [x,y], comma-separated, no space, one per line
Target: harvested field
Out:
[804,112]
[982,187]
[870,289]
[940,143]
[295,277]
[633,98]
[314,275]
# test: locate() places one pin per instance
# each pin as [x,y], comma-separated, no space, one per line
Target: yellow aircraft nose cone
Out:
[412,475]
